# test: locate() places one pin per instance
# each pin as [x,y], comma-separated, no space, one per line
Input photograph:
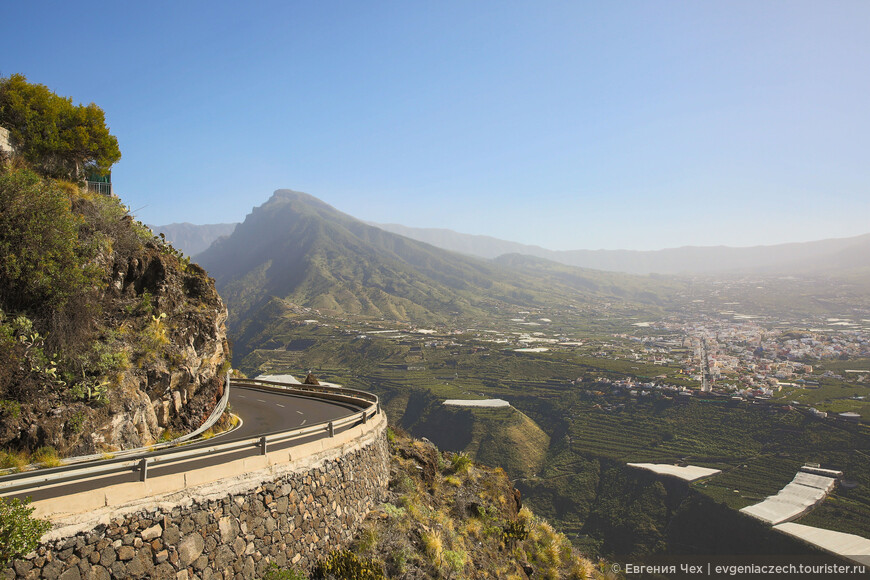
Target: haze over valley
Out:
[836,256]
[779,353]
[605,266]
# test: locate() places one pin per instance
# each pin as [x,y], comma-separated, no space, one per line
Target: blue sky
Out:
[569,125]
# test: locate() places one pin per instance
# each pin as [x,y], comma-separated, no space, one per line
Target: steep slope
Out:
[302,252]
[470,520]
[190,238]
[503,437]
[297,247]
[109,339]
[447,517]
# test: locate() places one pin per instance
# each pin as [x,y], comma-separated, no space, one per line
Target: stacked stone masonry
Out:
[291,521]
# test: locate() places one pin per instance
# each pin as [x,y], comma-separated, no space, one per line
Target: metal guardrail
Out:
[212,419]
[352,396]
[369,403]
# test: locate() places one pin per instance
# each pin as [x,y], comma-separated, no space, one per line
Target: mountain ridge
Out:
[680,260]
[818,256]
[297,250]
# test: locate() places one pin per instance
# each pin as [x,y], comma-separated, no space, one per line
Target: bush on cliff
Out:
[441,521]
[93,308]
[43,262]
[59,139]
[19,532]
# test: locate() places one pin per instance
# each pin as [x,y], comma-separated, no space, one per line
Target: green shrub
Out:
[345,565]
[276,573]
[47,456]
[169,435]
[10,408]
[76,423]
[19,532]
[515,531]
[433,546]
[461,462]
[155,334]
[393,511]
[547,549]
[104,356]
[454,560]
[144,306]
[400,558]
[90,391]
[367,539]
[23,358]
[42,263]
[402,483]
[60,139]
[443,464]
[16,460]
[108,223]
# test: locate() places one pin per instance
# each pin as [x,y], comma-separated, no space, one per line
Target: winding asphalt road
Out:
[265,412]
[262,413]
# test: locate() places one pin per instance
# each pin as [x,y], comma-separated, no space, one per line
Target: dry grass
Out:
[46,457]
[15,460]
[433,545]
[459,521]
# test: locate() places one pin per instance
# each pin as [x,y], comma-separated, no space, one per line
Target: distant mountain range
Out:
[193,239]
[825,256]
[838,256]
[297,251]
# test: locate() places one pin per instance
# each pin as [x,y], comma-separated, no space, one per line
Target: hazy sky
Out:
[569,125]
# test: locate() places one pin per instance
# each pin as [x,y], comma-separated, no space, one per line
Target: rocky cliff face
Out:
[137,355]
[176,388]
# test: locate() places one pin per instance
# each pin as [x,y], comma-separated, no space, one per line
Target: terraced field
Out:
[594,431]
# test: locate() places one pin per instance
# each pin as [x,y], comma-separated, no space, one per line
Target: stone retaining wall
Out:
[293,519]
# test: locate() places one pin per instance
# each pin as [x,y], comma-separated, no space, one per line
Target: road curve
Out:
[265,412]
[262,413]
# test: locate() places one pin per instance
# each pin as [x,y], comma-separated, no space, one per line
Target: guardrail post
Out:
[263,446]
[331,429]
[143,469]
[365,417]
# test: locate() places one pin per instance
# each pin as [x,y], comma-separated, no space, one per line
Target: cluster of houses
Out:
[744,361]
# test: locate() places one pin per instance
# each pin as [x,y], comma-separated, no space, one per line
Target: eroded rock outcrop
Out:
[145,357]
[179,385]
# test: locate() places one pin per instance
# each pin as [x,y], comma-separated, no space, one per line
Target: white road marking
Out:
[302,423]
[280,405]
[300,412]
[261,400]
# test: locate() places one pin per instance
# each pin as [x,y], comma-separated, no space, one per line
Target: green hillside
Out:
[298,248]
[500,437]
[305,254]
[102,324]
